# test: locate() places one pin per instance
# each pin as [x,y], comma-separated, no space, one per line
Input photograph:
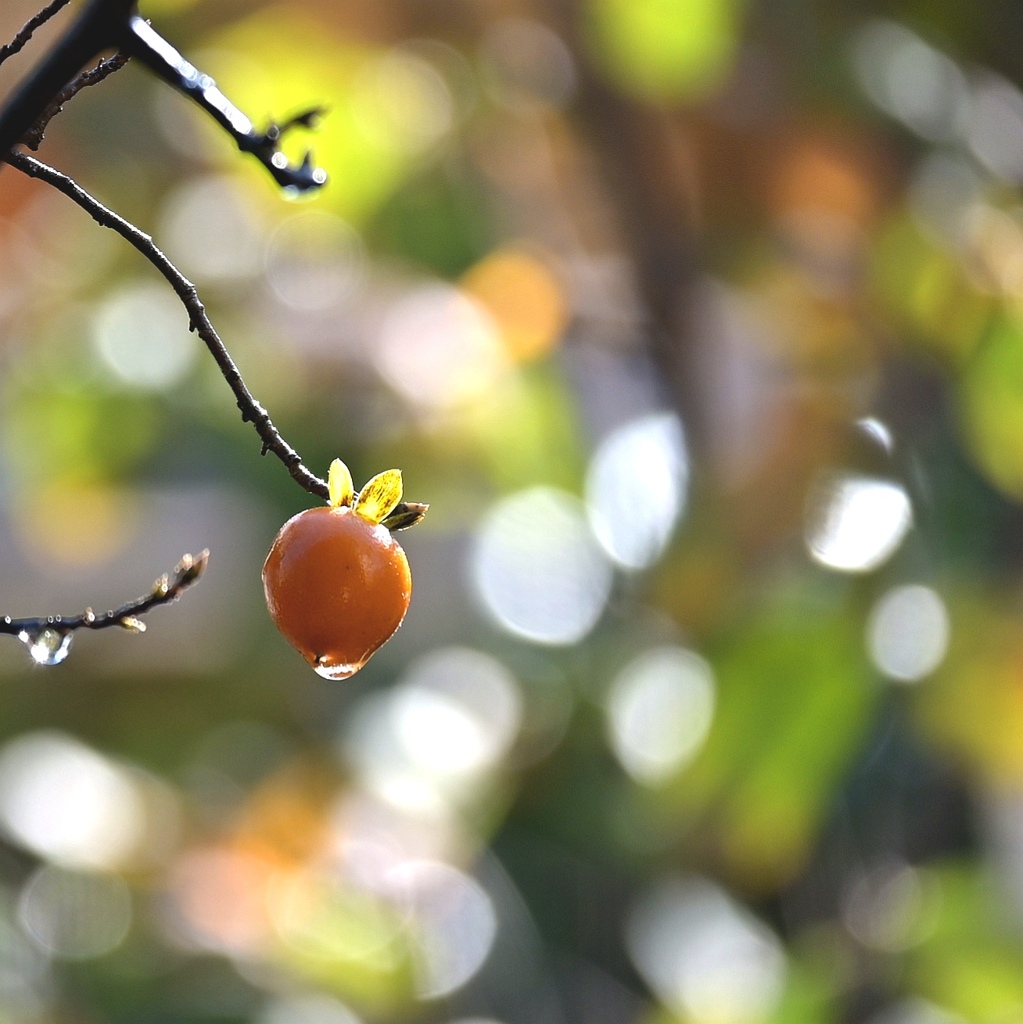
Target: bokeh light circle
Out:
[659,711]
[703,955]
[636,488]
[210,231]
[73,915]
[908,632]
[457,712]
[855,523]
[443,729]
[141,334]
[538,568]
[68,803]
[453,920]
[314,260]
[306,1008]
[439,349]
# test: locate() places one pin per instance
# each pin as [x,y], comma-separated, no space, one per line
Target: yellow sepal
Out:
[377,499]
[339,485]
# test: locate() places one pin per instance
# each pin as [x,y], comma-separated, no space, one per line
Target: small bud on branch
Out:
[49,637]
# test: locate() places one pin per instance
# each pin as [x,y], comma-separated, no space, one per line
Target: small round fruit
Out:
[337,586]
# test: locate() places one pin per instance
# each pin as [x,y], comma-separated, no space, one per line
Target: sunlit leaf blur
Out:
[699,324]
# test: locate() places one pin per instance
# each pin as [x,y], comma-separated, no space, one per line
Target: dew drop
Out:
[47,647]
[343,671]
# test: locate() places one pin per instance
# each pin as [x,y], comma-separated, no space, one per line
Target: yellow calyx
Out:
[377,500]
[339,485]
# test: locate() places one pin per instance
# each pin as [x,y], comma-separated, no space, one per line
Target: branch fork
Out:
[115,25]
[104,24]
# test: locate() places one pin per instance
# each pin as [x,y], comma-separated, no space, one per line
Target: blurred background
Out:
[699,323]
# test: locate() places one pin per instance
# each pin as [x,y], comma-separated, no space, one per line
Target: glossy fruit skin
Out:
[337,586]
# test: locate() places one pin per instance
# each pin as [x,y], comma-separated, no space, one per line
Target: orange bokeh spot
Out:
[525,299]
[824,174]
[74,523]
[221,894]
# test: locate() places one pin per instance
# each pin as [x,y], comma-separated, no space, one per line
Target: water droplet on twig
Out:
[48,646]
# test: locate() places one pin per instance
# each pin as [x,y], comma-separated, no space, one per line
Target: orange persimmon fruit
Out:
[337,583]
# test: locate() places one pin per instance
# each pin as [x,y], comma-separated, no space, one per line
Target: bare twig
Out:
[113,24]
[52,630]
[23,36]
[404,515]
[138,38]
[49,638]
[199,322]
[92,76]
[93,31]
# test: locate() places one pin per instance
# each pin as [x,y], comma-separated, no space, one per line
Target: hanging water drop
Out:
[330,670]
[49,646]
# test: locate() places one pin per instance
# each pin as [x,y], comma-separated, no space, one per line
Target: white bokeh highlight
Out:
[439,733]
[855,523]
[457,712]
[911,80]
[401,101]
[141,334]
[996,127]
[636,488]
[915,1011]
[439,349]
[538,568]
[890,906]
[705,957]
[314,261]
[659,712]
[69,804]
[71,915]
[210,231]
[908,632]
[306,1008]
[453,922]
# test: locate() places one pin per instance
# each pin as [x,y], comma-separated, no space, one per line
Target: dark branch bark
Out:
[35,103]
[113,24]
[139,39]
[199,322]
[49,636]
[25,34]
[94,30]
[93,76]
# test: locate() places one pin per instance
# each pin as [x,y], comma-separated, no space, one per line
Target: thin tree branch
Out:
[114,24]
[93,31]
[138,38]
[199,322]
[404,515]
[25,119]
[36,21]
[93,76]
[49,637]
